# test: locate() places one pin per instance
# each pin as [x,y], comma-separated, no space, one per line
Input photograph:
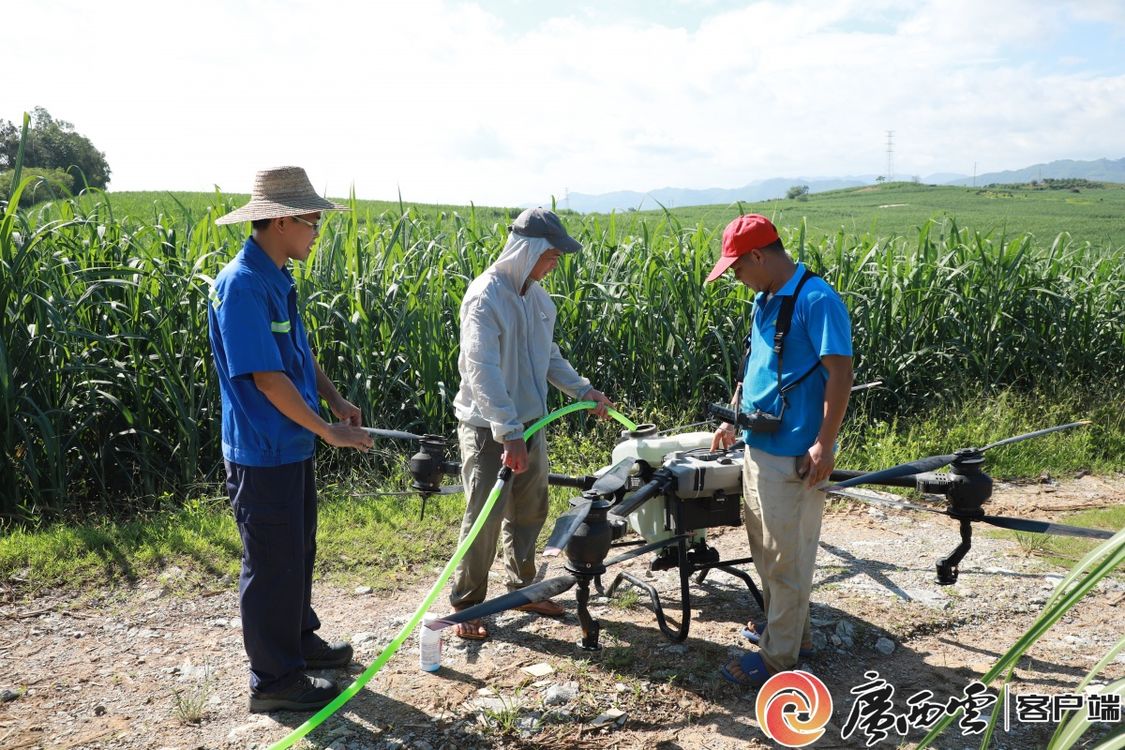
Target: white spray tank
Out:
[645,444]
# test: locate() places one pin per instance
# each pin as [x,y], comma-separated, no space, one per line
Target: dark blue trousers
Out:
[275,507]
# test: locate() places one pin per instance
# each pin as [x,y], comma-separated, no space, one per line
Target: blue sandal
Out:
[755,637]
[754,671]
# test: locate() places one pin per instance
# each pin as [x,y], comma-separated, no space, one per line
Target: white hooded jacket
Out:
[508,354]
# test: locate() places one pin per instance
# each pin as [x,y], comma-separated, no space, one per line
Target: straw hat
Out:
[283,191]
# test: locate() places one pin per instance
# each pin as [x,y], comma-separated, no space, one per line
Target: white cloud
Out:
[1110,12]
[454,101]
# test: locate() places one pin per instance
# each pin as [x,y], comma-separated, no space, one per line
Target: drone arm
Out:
[839,475]
[660,482]
[565,480]
[907,480]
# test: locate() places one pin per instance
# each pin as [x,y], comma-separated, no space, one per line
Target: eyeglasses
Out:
[315,226]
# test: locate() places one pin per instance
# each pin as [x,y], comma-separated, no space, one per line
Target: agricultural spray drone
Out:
[669,489]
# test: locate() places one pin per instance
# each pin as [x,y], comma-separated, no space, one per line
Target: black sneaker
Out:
[305,694]
[325,655]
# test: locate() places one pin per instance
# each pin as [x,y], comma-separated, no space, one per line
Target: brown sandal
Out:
[471,630]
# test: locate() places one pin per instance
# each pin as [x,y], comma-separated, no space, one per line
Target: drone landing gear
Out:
[591,628]
[947,571]
[728,567]
[699,559]
[685,598]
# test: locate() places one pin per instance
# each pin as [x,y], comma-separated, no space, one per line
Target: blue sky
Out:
[512,101]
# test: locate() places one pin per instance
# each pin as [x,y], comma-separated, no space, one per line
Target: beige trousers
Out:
[518,515]
[782,520]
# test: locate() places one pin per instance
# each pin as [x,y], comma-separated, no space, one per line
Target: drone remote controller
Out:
[758,421]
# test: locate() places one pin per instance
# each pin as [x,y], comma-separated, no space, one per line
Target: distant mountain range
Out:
[1099,170]
[1103,170]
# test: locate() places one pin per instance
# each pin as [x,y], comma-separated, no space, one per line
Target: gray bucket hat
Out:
[539,222]
[282,191]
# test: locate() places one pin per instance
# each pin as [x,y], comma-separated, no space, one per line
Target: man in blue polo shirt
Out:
[797,388]
[271,386]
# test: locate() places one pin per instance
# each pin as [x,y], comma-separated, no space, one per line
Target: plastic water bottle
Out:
[429,645]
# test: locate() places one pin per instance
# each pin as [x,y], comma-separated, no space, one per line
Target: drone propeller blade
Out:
[392,434]
[565,526]
[615,477]
[886,502]
[913,467]
[536,592]
[1037,433]
[1045,527]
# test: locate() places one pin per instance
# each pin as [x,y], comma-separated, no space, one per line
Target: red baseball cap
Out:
[746,233]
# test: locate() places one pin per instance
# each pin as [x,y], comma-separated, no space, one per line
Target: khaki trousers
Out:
[783,525]
[518,515]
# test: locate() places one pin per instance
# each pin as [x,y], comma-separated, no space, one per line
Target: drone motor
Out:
[428,465]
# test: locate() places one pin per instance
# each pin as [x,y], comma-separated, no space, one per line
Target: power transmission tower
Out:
[890,156]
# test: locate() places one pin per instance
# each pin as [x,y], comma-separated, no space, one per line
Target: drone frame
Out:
[597,519]
[689,559]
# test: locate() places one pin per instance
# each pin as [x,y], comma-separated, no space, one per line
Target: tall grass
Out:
[108,398]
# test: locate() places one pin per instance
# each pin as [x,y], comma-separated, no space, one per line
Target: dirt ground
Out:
[150,667]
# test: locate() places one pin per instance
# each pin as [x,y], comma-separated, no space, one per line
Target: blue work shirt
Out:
[820,326]
[254,326]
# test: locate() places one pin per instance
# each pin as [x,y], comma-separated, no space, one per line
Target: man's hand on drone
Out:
[724,437]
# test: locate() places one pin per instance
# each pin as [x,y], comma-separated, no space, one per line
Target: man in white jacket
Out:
[508,356]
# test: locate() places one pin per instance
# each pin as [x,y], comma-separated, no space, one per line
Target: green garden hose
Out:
[349,692]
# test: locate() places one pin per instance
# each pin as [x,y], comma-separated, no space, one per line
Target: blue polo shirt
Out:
[820,327]
[254,326]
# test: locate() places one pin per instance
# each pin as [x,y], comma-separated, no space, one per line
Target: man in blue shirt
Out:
[271,386]
[797,388]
